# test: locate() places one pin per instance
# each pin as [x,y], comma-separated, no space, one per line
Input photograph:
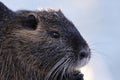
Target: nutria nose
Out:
[84,53]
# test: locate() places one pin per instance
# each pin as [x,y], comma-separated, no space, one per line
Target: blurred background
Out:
[98,21]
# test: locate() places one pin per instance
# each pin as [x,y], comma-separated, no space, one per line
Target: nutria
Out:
[40,45]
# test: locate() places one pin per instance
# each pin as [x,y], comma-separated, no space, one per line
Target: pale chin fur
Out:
[81,63]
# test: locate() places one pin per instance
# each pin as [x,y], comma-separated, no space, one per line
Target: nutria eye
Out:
[54,34]
[30,22]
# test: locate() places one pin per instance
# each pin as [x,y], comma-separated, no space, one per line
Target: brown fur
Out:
[38,52]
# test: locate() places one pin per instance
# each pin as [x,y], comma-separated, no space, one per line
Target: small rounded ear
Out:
[4,11]
[30,22]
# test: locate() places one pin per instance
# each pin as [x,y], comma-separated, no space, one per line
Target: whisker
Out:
[54,68]
[65,68]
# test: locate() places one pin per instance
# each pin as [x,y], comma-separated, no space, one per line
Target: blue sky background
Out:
[99,23]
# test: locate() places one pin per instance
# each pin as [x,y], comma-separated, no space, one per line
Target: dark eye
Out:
[54,34]
[30,22]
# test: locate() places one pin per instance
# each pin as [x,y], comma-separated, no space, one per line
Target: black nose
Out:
[84,53]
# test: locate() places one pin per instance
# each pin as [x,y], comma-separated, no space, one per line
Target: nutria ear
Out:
[4,11]
[30,22]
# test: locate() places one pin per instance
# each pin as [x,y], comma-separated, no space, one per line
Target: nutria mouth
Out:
[67,65]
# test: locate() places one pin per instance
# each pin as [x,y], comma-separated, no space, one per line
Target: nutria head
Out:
[39,45]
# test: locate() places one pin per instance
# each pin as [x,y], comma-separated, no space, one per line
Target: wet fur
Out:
[27,54]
